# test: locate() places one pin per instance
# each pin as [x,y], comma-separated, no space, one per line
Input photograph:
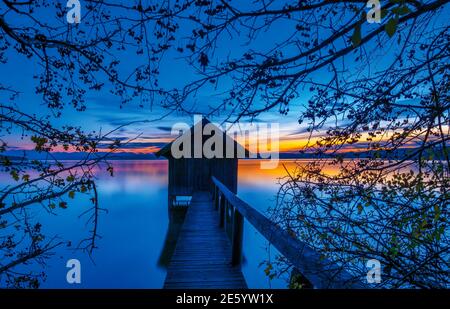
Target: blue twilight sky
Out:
[105,113]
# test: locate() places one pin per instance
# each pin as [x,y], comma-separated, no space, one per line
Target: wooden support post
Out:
[229,220]
[226,219]
[222,210]
[170,201]
[237,235]
[216,198]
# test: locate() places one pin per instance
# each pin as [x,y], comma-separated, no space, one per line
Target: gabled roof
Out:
[229,142]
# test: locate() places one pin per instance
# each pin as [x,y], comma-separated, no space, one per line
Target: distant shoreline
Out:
[20,155]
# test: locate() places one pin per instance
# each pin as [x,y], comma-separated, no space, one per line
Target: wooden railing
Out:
[319,271]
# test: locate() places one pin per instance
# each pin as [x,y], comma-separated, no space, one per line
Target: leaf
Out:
[437,212]
[402,10]
[70,178]
[391,27]
[63,205]
[39,141]
[110,169]
[72,194]
[14,175]
[356,37]
[394,251]
[360,208]
[203,60]
[268,269]
[6,161]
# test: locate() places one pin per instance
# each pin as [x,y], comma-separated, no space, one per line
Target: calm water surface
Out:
[134,228]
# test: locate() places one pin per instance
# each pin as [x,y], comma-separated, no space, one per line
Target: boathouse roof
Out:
[198,128]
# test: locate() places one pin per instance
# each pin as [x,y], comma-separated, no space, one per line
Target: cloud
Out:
[136,145]
[299,131]
[164,128]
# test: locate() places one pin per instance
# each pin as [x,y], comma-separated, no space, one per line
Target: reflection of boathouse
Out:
[176,218]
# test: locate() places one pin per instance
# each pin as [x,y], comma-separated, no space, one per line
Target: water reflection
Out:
[259,188]
[138,233]
[176,218]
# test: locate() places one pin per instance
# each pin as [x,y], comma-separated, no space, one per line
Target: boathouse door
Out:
[202,174]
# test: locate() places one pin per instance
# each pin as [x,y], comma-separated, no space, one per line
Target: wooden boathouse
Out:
[191,174]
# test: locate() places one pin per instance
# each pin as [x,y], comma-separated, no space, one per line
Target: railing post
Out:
[216,197]
[227,219]
[222,210]
[237,234]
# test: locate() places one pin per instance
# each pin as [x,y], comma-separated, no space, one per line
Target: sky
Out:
[104,112]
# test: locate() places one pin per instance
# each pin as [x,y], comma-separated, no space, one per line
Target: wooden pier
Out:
[202,257]
[208,249]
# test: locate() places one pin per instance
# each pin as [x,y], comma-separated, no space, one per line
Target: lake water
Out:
[134,228]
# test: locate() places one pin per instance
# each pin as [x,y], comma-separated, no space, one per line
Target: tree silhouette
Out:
[380,88]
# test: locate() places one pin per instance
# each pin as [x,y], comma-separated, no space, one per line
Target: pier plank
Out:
[202,257]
